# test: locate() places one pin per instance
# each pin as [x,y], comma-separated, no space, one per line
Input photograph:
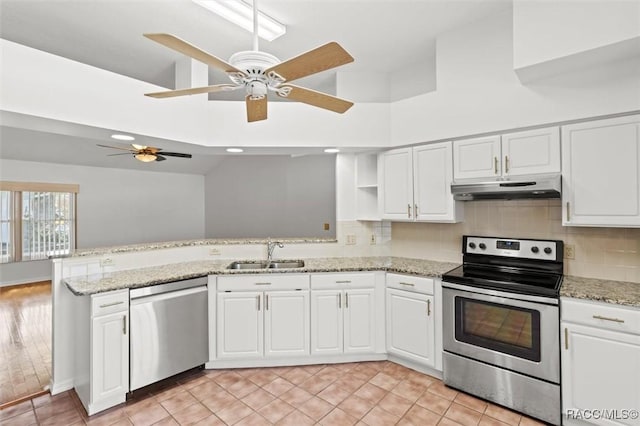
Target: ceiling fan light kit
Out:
[146,158]
[260,72]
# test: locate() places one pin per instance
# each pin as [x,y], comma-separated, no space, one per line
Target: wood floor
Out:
[25,340]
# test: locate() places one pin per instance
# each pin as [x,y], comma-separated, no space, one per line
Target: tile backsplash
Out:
[609,253]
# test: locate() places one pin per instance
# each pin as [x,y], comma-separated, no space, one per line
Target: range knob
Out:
[482,246]
[547,250]
[472,245]
[535,249]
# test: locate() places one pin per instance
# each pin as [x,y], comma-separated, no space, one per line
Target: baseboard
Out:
[28,281]
[59,387]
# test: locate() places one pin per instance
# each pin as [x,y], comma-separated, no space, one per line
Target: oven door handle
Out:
[505,294]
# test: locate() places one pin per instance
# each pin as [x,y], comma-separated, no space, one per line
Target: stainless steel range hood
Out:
[538,186]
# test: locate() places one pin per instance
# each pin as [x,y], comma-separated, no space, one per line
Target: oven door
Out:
[501,329]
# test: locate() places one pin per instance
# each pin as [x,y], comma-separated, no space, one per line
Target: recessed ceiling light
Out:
[241,14]
[235,150]
[331,150]
[123,137]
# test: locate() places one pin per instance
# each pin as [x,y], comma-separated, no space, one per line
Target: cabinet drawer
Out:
[107,303]
[339,281]
[263,282]
[602,315]
[410,283]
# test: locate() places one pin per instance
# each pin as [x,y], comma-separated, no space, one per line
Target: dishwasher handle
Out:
[167,287]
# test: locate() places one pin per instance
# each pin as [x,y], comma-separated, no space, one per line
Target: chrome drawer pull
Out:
[409,284]
[343,282]
[608,319]
[106,305]
[263,283]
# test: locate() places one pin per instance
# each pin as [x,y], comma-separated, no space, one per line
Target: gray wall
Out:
[271,196]
[115,207]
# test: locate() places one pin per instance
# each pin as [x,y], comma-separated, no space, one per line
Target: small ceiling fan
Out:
[146,154]
[260,72]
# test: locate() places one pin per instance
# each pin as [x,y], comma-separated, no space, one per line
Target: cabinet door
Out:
[326,322]
[240,325]
[531,152]
[600,369]
[601,173]
[286,323]
[109,356]
[397,184]
[410,326]
[477,158]
[432,177]
[359,320]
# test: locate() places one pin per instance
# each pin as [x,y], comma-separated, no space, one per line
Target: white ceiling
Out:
[383,36]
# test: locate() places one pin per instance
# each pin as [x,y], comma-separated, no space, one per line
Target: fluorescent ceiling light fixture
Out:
[241,14]
[331,150]
[123,137]
[235,150]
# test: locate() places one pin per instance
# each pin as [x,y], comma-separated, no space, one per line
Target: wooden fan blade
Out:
[160,158]
[174,154]
[193,91]
[325,57]
[256,109]
[318,99]
[179,45]
[117,147]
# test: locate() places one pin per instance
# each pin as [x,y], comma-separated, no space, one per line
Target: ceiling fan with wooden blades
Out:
[260,72]
[145,153]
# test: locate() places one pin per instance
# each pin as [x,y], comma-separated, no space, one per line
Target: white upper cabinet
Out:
[477,158]
[601,173]
[396,202]
[512,154]
[416,184]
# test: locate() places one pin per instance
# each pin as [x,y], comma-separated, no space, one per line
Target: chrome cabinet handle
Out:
[415,210]
[409,211]
[568,214]
[409,284]
[566,338]
[346,300]
[266,302]
[339,301]
[506,164]
[262,283]
[343,281]
[106,305]
[495,165]
[124,325]
[258,301]
[428,308]
[618,320]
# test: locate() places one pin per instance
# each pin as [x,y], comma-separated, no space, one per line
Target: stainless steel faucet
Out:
[271,245]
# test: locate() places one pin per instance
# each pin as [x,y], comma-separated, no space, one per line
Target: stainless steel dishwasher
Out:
[168,330]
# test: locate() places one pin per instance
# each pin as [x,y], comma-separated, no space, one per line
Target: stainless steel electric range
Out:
[501,323]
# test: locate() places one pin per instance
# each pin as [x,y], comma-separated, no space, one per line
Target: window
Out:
[37,220]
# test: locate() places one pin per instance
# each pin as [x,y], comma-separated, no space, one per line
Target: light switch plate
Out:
[351,239]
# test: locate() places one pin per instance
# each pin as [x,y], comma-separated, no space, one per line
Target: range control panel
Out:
[512,247]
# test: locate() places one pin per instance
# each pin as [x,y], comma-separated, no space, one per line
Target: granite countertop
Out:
[609,291]
[133,278]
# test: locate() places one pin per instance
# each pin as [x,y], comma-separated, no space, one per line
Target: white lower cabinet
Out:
[343,314]
[267,323]
[102,350]
[600,363]
[411,331]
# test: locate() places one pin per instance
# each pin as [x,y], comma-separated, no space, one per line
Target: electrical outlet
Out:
[569,251]
[214,252]
[351,239]
[372,240]
[106,261]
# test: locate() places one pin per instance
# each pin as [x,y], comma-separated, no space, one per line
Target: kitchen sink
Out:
[261,264]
